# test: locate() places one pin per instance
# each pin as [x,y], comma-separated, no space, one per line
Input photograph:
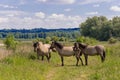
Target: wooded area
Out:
[101,28]
[40,33]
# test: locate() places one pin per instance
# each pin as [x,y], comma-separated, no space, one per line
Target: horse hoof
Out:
[62,65]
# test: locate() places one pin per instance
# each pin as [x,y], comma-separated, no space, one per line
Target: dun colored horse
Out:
[42,50]
[65,51]
[90,50]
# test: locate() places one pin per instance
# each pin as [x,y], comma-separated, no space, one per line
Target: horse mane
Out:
[83,46]
[35,44]
[59,45]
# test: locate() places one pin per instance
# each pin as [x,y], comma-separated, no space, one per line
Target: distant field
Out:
[23,65]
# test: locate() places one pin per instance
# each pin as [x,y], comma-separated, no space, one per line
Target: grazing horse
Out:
[42,50]
[65,51]
[90,50]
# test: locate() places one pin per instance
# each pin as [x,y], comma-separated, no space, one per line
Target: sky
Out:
[53,14]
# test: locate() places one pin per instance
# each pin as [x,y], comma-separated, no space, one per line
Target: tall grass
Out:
[23,65]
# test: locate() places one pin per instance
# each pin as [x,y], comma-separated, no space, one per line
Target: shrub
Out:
[112,40]
[87,40]
[10,42]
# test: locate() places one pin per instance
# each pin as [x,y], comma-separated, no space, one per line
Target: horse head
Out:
[76,46]
[52,45]
[35,45]
[56,44]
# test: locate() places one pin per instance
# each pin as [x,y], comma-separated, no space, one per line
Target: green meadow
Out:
[23,65]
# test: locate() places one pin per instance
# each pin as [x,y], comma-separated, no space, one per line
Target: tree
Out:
[47,40]
[96,27]
[116,26]
[10,42]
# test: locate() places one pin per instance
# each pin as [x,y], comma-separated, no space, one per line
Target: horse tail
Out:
[104,54]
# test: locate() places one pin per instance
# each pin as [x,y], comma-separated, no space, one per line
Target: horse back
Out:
[67,51]
[90,50]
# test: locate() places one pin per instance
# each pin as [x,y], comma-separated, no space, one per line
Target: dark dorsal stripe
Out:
[59,45]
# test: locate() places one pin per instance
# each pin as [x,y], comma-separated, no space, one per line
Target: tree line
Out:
[71,33]
[101,28]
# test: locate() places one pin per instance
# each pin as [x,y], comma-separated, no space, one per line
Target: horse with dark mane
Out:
[90,50]
[65,51]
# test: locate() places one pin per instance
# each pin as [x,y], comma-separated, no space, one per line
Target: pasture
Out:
[23,65]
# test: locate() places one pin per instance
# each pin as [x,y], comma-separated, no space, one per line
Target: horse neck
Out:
[58,49]
[43,48]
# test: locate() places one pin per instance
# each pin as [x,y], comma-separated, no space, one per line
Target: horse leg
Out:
[47,57]
[77,60]
[42,57]
[38,55]
[81,60]
[86,59]
[80,57]
[104,54]
[62,60]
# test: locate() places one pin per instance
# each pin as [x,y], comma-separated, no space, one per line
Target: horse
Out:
[65,51]
[42,50]
[90,50]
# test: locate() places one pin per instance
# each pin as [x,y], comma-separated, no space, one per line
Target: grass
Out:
[23,65]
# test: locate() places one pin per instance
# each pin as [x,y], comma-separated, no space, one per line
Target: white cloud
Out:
[57,16]
[40,14]
[58,1]
[49,21]
[12,13]
[67,10]
[94,1]
[3,20]
[96,5]
[92,13]
[115,8]
[42,0]
[67,1]
[7,6]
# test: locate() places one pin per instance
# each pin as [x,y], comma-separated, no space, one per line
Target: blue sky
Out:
[28,14]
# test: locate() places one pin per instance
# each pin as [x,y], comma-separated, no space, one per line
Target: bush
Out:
[112,40]
[10,42]
[87,40]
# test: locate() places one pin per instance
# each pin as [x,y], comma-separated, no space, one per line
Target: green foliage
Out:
[101,28]
[8,60]
[55,38]
[62,39]
[38,39]
[87,40]
[47,40]
[10,42]
[41,33]
[112,40]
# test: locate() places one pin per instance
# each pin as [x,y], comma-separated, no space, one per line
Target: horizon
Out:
[38,28]
[53,14]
